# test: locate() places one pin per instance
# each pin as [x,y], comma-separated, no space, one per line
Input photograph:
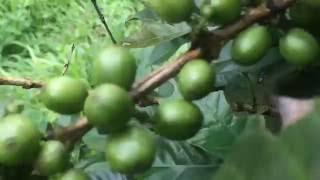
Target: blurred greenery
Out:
[37,38]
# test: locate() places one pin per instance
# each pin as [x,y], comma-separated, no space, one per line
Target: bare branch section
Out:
[252,16]
[169,71]
[71,135]
[24,83]
[141,89]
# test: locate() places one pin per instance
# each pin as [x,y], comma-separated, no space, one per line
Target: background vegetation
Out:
[38,37]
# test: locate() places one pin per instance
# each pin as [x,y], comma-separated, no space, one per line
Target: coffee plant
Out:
[159,90]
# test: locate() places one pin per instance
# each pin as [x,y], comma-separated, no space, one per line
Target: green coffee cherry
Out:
[19,140]
[299,47]
[222,12]
[131,151]
[109,107]
[178,120]
[115,65]
[196,79]
[53,158]
[65,95]
[251,45]
[172,11]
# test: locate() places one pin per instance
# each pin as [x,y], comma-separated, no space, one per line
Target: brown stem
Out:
[169,71]
[252,16]
[102,19]
[248,19]
[71,135]
[154,73]
[24,83]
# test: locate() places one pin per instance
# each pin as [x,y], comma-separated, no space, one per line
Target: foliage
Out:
[40,38]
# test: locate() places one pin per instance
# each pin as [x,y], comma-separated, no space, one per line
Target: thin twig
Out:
[67,65]
[24,83]
[102,19]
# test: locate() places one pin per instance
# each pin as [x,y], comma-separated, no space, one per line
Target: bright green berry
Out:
[196,79]
[178,120]
[109,107]
[131,151]
[251,45]
[65,95]
[222,11]
[19,140]
[299,47]
[115,65]
[172,11]
[53,158]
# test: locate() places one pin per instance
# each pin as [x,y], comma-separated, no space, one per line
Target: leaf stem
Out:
[103,20]
[67,64]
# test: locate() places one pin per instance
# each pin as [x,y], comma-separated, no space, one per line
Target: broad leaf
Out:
[302,140]
[221,127]
[180,161]
[101,171]
[95,141]
[154,32]
[258,155]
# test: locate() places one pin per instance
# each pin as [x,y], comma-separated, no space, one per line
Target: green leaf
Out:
[146,14]
[171,153]
[180,161]
[101,171]
[221,127]
[163,51]
[95,141]
[302,140]
[179,173]
[258,155]
[244,84]
[154,32]
[166,89]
